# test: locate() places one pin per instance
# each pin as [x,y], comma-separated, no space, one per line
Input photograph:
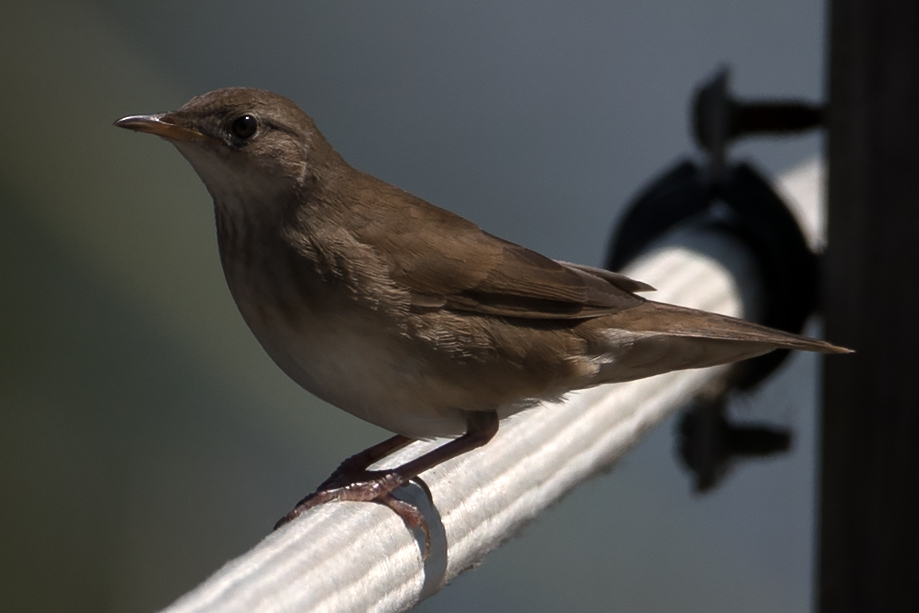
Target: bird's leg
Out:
[355,466]
[353,482]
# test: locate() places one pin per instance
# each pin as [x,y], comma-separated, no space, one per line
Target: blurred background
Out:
[145,438]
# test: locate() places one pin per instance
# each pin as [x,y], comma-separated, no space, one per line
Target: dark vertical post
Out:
[869,507]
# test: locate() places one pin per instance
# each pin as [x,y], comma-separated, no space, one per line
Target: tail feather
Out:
[663,337]
[673,320]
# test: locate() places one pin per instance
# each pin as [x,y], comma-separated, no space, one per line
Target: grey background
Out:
[146,438]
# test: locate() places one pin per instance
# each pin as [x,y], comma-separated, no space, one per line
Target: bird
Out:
[407,315]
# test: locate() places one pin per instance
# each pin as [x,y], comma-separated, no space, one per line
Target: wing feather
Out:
[448,262]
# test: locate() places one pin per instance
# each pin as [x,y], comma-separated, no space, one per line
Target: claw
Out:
[377,488]
[352,481]
[411,516]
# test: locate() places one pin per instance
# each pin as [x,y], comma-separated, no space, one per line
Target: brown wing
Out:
[449,262]
[618,279]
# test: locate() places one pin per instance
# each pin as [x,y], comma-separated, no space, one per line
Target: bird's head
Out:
[245,144]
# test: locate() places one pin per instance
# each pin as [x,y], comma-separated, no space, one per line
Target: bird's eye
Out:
[244,126]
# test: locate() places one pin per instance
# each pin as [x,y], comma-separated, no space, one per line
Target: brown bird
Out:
[407,315]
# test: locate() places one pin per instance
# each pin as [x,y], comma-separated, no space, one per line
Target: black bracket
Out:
[719,119]
[737,199]
[710,443]
[744,204]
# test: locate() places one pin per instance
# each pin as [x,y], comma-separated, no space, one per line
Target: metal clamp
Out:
[736,199]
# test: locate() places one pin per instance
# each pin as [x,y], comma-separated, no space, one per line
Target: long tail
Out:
[664,337]
[681,321]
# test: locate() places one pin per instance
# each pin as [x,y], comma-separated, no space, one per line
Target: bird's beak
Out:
[161,125]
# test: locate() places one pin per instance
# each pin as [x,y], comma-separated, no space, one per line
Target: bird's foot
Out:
[346,484]
[352,481]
